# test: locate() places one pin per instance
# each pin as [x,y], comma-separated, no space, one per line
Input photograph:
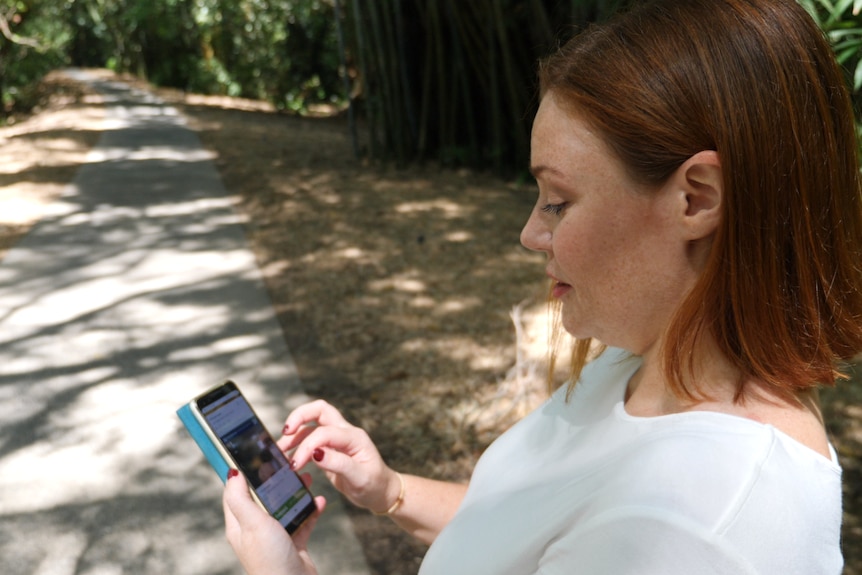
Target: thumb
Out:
[239,507]
[301,536]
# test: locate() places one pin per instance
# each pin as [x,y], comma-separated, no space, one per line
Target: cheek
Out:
[579,245]
[602,257]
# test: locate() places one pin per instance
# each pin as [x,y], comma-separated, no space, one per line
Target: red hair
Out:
[756,81]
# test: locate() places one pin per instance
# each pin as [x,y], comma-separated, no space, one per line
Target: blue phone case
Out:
[193,426]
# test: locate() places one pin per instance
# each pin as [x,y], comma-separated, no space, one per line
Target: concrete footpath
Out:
[135,292]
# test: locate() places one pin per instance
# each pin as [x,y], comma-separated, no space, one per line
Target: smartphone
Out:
[231,435]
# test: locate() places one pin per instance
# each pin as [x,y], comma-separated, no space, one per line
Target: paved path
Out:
[134,293]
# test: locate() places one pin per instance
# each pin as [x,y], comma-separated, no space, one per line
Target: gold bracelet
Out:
[398,501]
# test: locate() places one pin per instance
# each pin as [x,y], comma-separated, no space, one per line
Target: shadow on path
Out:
[134,293]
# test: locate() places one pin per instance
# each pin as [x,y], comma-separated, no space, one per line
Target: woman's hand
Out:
[317,431]
[344,452]
[261,543]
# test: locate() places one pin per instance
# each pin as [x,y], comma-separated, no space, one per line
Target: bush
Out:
[842,22]
[210,77]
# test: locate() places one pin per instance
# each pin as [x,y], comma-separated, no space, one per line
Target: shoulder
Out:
[718,453]
[732,484]
[706,496]
[643,541]
[648,541]
[697,465]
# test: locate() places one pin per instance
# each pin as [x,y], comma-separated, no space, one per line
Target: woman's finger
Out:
[319,412]
[334,448]
[288,442]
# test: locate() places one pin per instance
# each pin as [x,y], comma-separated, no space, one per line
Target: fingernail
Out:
[292,463]
[317,454]
[286,430]
[232,473]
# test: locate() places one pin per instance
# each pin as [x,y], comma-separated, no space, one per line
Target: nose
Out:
[536,235]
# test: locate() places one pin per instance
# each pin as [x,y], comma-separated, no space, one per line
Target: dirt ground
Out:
[404,295]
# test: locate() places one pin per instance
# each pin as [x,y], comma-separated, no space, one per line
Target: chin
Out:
[575,328]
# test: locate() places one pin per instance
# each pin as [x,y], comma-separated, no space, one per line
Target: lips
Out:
[560,289]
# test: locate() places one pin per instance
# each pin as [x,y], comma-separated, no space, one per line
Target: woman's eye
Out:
[554,209]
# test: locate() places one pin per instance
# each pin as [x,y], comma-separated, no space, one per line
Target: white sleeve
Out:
[641,542]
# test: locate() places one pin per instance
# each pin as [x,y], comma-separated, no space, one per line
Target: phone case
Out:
[196,430]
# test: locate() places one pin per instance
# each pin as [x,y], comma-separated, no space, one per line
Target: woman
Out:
[699,206]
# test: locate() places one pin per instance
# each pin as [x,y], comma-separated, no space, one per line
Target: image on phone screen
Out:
[257,456]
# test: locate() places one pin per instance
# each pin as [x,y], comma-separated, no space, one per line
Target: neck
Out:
[716,380]
[713,379]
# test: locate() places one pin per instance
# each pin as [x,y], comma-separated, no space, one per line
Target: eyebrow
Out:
[536,171]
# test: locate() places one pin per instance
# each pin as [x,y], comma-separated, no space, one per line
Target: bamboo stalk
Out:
[351,120]
[391,117]
[425,98]
[460,83]
[407,95]
[366,78]
[496,119]
[516,106]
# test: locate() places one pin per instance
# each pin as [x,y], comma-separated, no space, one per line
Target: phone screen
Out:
[256,455]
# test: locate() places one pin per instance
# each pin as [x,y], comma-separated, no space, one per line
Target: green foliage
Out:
[39,46]
[450,80]
[278,50]
[157,40]
[842,22]
[210,77]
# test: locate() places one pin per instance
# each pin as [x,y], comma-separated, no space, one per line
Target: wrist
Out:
[397,500]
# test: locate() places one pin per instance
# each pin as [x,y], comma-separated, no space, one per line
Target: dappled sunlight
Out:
[20,206]
[457,305]
[406,283]
[149,153]
[61,138]
[55,545]
[351,253]
[182,208]
[57,131]
[143,272]
[462,349]
[227,102]
[14,412]
[397,183]
[133,293]
[460,236]
[424,302]
[446,207]
[109,432]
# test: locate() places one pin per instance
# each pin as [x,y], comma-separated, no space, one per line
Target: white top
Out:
[585,488]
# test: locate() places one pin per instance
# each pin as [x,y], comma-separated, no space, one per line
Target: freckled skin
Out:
[613,241]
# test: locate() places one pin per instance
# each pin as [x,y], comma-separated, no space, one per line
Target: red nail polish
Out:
[232,473]
[317,454]
[286,430]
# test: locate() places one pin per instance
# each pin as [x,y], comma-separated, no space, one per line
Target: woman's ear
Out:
[700,183]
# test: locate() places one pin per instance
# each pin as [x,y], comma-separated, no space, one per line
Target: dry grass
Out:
[39,155]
